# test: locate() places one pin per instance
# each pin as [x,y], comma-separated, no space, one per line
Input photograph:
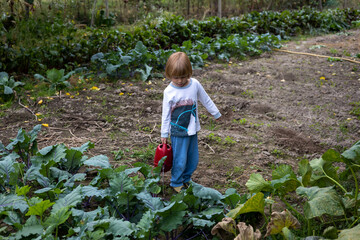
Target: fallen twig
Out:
[28,109]
[209,147]
[316,55]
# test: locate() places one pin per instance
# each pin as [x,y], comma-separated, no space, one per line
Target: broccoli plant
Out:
[7,85]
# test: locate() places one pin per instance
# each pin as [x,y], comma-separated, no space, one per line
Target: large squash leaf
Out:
[255,204]
[321,201]
[257,183]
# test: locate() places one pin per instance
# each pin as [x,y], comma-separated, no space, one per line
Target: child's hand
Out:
[164,140]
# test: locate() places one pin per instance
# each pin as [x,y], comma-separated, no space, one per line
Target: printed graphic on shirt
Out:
[181,114]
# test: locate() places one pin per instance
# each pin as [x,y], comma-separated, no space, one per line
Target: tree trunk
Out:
[93,13]
[320,5]
[107,9]
[188,8]
[219,9]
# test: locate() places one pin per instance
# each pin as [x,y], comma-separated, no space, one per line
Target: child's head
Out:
[178,66]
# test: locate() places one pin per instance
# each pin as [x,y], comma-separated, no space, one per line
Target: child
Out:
[180,117]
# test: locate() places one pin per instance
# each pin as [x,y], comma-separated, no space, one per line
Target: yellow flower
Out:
[129,94]
[130,84]
[45,125]
[149,83]
[123,83]
[206,65]
[163,79]
[67,94]
[322,78]
[39,119]
[72,96]
[94,88]
[88,98]
[349,119]
[146,89]
[121,93]
[40,102]
[37,114]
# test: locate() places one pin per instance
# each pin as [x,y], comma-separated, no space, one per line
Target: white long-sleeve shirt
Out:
[180,111]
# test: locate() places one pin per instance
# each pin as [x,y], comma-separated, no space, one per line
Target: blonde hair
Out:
[178,65]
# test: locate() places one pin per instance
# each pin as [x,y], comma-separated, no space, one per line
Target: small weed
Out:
[256,125]
[212,137]
[334,59]
[248,93]
[271,88]
[333,51]
[120,154]
[344,128]
[241,121]
[212,125]
[278,153]
[145,153]
[109,118]
[316,126]
[355,111]
[229,140]
[317,108]
[6,105]
[346,53]
[316,47]
[144,129]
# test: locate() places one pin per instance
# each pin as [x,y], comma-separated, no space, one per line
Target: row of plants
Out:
[60,193]
[37,44]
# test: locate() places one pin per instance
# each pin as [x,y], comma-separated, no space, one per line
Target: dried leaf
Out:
[225,229]
[281,220]
[247,232]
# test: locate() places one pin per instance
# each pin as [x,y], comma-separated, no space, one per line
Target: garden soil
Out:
[278,108]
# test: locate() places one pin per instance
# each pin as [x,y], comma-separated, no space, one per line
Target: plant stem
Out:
[354,222]
[267,223]
[293,209]
[342,188]
[356,191]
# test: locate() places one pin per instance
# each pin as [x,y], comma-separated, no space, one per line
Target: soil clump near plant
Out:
[277,109]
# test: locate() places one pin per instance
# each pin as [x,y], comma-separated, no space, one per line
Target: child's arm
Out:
[208,103]
[165,120]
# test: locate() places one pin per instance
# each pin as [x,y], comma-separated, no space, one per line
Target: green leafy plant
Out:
[7,86]
[318,182]
[56,78]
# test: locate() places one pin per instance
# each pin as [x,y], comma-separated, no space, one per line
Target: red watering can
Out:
[164,151]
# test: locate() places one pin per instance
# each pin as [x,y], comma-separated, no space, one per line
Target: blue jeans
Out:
[185,159]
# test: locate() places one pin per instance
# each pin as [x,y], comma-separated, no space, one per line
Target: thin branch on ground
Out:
[28,109]
[316,55]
